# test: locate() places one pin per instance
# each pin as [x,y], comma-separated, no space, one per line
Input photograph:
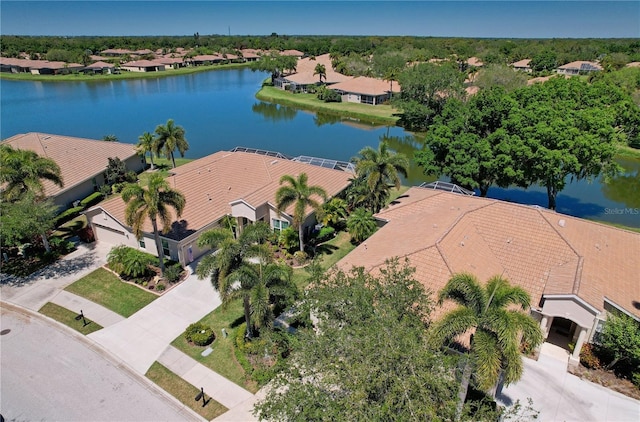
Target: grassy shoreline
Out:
[381,114]
[124,75]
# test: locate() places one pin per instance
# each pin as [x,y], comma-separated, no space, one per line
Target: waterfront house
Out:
[237,183]
[365,90]
[575,270]
[143,66]
[99,67]
[82,162]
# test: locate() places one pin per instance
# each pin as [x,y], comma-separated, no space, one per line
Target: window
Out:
[165,248]
[279,225]
[141,243]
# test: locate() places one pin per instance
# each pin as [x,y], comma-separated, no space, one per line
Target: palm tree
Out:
[334,212]
[299,193]
[170,137]
[224,265]
[147,144]
[23,171]
[361,225]
[391,75]
[321,71]
[381,169]
[487,312]
[110,138]
[152,203]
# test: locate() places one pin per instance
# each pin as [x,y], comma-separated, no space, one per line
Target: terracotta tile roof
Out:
[578,65]
[633,64]
[366,86]
[306,78]
[79,159]
[308,64]
[116,51]
[38,64]
[142,63]
[169,60]
[474,61]
[540,250]
[296,53]
[521,63]
[100,65]
[208,57]
[211,183]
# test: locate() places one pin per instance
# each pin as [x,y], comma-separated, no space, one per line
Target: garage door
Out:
[108,235]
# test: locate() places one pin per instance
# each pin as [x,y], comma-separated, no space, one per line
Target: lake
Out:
[219,111]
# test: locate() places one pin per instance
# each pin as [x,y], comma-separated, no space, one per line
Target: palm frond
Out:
[488,359]
[464,289]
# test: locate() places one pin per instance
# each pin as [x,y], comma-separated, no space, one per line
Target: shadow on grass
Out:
[237,322]
[325,249]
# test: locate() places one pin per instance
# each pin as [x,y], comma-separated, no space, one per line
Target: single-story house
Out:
[574,270]
[294,53]
[206,59]
[300,81]
[236,183]
[37,67]
[171,62]
[116,52]
[250,54]
[578,67]
[474,62]
[522,65]
[82,162]
[143,66]
[366,90]
[99,67]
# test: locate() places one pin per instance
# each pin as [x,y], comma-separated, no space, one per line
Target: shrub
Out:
[86,234]
[61,245]
[325,234]
[129,262]
[92,199]
[289,239]
[588,357]
[172,273]
[300,256]
[199,334]
[117,187]
[160,287]
[635,379]
[68,215]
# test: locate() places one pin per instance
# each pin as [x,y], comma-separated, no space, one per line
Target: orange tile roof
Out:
[309,64]
[211,183]
[578,65]
[540,250]
[521,63]
[100,65]
[366,86]
[79,159]
[296,53]
[474,61]
[307,78]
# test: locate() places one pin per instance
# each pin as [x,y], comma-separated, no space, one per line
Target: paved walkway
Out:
[561,396]
[91,310]
[221,389]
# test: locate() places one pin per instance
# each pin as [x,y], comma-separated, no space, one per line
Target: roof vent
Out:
[273,162]
[208,197]
[562,223]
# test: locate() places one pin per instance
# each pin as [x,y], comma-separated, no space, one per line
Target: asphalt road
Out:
[50,374]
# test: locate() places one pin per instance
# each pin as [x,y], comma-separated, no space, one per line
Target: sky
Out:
[486,19]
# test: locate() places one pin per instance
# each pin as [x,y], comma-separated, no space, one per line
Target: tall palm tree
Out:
[300,194]
[321,71]
[152,203]
[361,225]
[147,144]
[169,137]
[224,265]
[381,170]
[487,312]
[23,171]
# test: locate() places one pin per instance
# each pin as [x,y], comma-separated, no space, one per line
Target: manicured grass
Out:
[122,75]
[106,289]
[625,151]
[69,228]
[183,391]
[222,359]
[382,114]
[68,318]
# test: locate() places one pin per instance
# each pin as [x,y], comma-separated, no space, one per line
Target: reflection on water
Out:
[219,111]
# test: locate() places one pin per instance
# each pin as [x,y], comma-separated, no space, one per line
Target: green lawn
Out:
[106,289]
[183,391]
[222,359]
[382,114]
[68,318]
[120,76]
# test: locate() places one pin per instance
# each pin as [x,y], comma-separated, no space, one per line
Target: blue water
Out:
[219,111]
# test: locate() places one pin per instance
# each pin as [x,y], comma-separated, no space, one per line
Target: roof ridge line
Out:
[401,205]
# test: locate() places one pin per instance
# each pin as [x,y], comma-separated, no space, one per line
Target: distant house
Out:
[299,82]
[474,62]
[99,67]
[294,53]
[116,52]
[206,59]
[171,62]
[238,183]
[143,66]
[37,67]
[522,65]
[578,68]
[633,64]
[365,90]
[574,270]
[250,55]
[82,162]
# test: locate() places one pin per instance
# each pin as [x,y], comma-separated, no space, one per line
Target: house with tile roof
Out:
[143,66]
[99,67]
[304,75]
[236,183]
[82,162]
[365,90]
[522,65]
[574,270]
[578,68]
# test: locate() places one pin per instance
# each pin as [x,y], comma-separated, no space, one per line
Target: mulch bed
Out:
[607,379]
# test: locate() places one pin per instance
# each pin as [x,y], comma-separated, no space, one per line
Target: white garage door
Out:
[108,235]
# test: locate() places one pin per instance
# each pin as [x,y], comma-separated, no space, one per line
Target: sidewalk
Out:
[91,310]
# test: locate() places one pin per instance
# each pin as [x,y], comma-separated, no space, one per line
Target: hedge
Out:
[68,215]
[92,199]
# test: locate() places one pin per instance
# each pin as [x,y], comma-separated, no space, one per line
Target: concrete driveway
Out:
[561,396]
[140,339]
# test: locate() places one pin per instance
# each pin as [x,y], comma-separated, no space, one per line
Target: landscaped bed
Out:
[105,288]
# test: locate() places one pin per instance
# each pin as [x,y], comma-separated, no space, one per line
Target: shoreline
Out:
[124,75]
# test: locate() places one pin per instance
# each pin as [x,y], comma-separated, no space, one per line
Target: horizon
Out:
[436,19]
